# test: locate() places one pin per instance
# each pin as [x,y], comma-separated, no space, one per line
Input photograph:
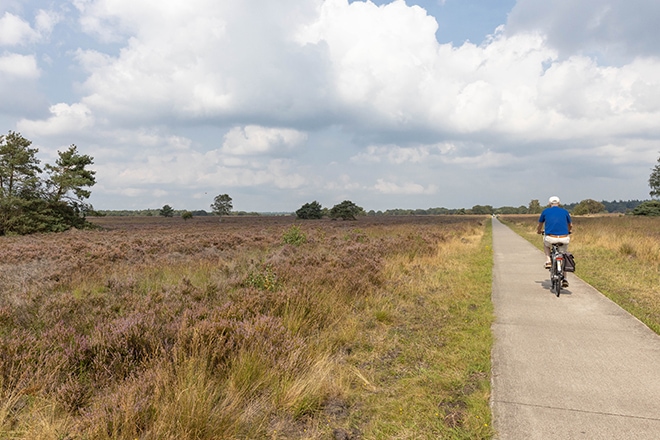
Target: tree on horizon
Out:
[222,205]
[654,180]
[166,211]
[311,210]
[346,210]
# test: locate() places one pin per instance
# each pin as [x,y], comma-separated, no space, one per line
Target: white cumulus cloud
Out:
[19,66]
[64,119]
[385,187]
[14,30]
[253,140]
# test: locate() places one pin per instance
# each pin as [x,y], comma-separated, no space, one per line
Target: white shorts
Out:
[548,241]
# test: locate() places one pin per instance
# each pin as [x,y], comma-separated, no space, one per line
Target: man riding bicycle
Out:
[558,226]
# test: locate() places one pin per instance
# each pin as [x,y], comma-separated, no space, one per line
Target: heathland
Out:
[248,328]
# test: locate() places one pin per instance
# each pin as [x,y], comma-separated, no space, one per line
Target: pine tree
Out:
[654,180]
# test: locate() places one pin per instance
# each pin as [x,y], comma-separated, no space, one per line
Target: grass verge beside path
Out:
[618,255]
[424,356]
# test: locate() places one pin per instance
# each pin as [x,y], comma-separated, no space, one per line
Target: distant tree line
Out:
[621,206]
[314,210]
[346,210]
[534,207]
[146,212]
[175,213]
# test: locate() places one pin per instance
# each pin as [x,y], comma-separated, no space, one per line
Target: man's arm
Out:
[539,228]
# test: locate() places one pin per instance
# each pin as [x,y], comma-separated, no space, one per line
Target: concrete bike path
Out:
[573,367]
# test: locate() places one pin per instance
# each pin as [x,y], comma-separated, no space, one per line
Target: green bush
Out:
[346,210]
[294,236]
[263,280]
[652,207]
[588,206]
[310,211]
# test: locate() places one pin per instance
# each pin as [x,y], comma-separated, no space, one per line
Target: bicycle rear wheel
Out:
[558,266]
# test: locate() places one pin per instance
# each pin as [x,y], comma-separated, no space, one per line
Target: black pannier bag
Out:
[569,262]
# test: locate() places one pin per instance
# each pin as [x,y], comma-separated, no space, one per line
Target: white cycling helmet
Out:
[554,199]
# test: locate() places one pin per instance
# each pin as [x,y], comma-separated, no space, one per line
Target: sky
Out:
[389,104]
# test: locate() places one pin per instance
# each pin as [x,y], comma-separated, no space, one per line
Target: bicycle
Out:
[557,273]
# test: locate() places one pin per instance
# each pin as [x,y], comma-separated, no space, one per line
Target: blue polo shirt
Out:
[556,220]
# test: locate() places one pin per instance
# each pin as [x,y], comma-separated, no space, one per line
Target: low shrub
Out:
[294,236]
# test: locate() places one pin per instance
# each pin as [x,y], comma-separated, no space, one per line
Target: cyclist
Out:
[558,226]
